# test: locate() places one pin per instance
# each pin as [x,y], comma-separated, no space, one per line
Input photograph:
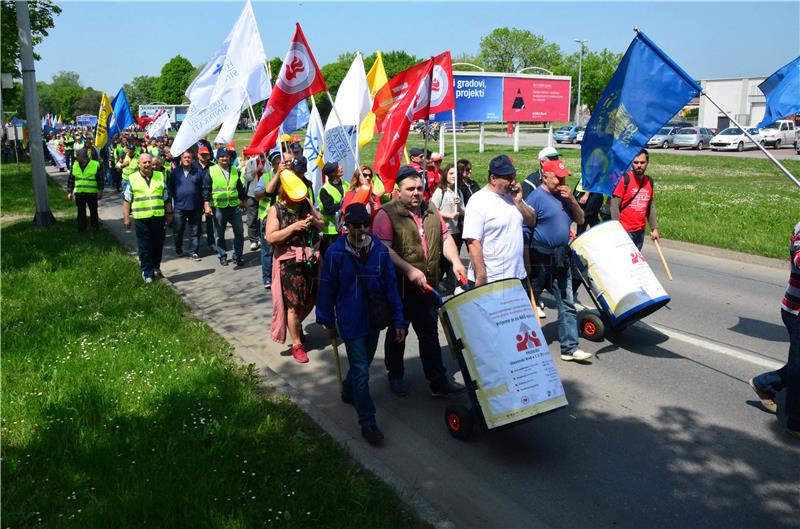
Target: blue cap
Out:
[416,151]
[406,172]
[222,152]
[356,212]
[502,166]
[273,155]
[300,165]
[330,168]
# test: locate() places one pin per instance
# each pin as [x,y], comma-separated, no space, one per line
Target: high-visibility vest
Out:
[69,141]
[132,167]
[223,192]
[148,200]
[85,180]
[331,227]
[78,145]
[153,151]
[266,203]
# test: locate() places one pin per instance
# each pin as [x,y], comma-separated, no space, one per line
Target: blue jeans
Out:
[179,225]
[360,353]
[150,241]
[558,279]
[420,311]
[222,216]
[637,237]
[266,254]
[789,375]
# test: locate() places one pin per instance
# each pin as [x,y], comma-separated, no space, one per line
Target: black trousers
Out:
[82,200]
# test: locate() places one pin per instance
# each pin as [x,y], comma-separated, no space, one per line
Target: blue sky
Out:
[100,41]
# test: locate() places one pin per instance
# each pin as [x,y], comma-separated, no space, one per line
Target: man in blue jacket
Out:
[353,263]
[185,185]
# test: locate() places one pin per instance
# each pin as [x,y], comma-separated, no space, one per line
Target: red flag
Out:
[443,96]
[395,108]
[299,79]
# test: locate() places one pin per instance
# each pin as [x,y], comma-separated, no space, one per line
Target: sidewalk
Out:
[233,302]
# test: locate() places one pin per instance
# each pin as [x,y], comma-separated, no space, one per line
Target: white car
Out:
[733,139]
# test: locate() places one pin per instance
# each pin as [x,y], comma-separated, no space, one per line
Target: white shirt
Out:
[495,221]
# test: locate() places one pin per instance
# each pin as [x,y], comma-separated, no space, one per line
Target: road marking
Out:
[718,348]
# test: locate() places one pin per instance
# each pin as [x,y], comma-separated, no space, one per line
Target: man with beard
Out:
[633,203]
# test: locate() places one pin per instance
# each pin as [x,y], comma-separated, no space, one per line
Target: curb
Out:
[723,253]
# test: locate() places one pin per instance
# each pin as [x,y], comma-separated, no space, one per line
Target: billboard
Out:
[478,98]
[541,98]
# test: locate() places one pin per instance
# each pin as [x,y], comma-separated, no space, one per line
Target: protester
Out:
[293,227]
[147,199]
[85,186]
[225,198]
[265,192]
[449,202]
[768,385]
[466,184]
[205,163]
[550,255]
[330,199]
[534,180]
[418,237]
[363,189]
[493,226]
[129,165]
[634,203]
[185,185]
[434,175]
[355,268]
[252,175]
[416,158]
[590,203]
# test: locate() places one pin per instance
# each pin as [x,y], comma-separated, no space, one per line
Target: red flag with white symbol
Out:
[300,78]
[395,107]
[442,93]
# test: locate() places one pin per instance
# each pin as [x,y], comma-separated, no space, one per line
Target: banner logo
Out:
[298,72]
[440,86]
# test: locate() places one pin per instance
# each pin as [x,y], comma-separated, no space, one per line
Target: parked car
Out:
[663,138]
[733,139]
[692,138]
[461,126]
[780,133]
[567,134]
[579,136]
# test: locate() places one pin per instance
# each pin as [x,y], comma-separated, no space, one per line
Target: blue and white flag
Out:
[297,118]
[312,149]
[782,90]
[647,90]
[121,118]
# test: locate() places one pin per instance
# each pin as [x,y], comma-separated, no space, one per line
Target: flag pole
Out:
[758,144]
[427,132]
[349,145]
[455,152]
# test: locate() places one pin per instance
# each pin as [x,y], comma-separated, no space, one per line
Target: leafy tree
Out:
[89,102]
[62,95]
[598,67]
[41,12]
[394,61]
[175,77]
[511,49]
[140,91]
[468,58]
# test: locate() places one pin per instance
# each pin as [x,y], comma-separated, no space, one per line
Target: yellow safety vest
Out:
[85,180]
[223,192]
[265,204]
[132,167]
[331,227]
[148,200]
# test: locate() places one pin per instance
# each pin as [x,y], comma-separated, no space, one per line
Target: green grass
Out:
[16,192]
[742,204]
[121,410]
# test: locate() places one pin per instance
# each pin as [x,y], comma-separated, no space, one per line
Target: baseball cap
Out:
[356,212]
[502,166]
[222,152]
[296,147]
[232,145]
[557,167]
[406,172]
[436,157]
[274,155]
[548,152]
[330,168]
[416,151]
[203,150]
[300,165]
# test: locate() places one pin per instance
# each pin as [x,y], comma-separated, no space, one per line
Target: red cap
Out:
[203,150]
[555,166]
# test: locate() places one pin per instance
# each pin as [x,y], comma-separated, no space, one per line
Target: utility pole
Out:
[44,217]
[578,116]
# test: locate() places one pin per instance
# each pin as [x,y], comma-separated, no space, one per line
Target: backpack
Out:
[605,209]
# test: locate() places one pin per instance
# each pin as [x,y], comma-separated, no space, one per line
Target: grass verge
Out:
[16,192]
[122,410]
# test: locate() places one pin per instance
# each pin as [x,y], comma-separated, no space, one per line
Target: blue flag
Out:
[121,118]
[647,89]
[782,90]
[297,118]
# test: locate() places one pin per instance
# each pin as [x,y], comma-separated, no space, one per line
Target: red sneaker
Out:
[299,354]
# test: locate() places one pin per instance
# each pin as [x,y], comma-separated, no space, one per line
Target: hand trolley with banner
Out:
[508,370]
[619,281]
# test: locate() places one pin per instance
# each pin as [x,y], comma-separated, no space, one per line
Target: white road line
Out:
[717,348]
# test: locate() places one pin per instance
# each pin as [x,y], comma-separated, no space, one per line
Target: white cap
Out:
[548,152]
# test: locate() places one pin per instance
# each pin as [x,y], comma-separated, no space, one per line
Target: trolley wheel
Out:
[459,421]
[592,327]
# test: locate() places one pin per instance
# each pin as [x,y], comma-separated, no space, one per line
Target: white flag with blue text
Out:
[312,148]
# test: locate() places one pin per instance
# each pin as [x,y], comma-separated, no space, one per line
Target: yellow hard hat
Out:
[294,188]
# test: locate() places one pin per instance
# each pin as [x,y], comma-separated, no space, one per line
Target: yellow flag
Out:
[101,135]
[376,78]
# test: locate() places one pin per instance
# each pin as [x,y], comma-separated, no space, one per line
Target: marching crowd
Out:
[366,258]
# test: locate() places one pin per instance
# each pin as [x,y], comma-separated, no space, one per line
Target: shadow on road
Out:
[761,329]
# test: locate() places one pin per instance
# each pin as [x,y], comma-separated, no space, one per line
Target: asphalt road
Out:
[661,428]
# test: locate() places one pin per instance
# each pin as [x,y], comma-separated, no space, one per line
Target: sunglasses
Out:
[367,175]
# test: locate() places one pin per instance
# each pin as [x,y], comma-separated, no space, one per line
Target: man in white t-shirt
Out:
[493,226]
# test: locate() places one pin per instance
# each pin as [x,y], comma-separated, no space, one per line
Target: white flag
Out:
[313,147]
[159,126]
[352,104]
[201,121]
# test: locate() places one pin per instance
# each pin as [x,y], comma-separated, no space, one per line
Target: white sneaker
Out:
[577,354]
[253,246]
[539,312]
[148,280]
[457,291]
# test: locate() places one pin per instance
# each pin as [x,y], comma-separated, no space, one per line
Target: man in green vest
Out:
[329,199]
[417,238]
[85,187]
[69,148]
[225,197]
[147,201]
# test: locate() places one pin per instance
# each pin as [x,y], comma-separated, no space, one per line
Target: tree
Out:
[61,95]
[597,70]
[175,78]
[140,91]
[510,50]
[394,61]
[41,13]
[89,102]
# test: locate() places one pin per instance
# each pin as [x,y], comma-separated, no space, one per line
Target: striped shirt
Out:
[791,300]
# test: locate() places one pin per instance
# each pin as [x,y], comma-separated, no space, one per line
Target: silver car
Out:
[663,138]
[692,138]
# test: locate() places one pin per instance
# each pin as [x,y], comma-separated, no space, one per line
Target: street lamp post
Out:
[582,42]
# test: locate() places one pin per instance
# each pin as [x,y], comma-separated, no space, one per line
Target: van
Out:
[780,133]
